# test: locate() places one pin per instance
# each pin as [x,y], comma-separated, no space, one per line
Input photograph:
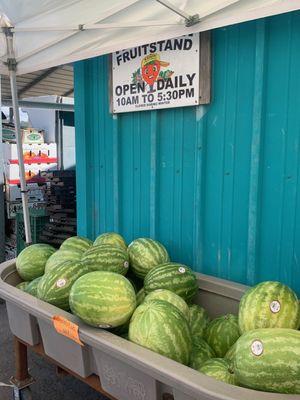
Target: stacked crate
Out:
[61,206]
[38,158]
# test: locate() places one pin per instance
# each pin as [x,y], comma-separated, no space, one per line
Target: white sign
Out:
[163,74]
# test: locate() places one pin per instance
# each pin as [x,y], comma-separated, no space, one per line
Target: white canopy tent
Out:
[38,34]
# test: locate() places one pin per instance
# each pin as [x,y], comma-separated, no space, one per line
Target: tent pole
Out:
[11,64]
[2,218]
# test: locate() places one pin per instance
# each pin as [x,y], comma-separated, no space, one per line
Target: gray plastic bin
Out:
[126,371]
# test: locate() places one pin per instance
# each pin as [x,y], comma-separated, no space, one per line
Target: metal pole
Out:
[11,63]
[2,219]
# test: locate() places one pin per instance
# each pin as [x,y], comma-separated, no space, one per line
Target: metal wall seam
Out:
[255,164]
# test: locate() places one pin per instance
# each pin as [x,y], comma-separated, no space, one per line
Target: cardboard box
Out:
[12,207]
[32,172]
[33,153]
[36,192]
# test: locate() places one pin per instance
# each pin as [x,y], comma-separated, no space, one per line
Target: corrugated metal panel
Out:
[53,81]
[218,184]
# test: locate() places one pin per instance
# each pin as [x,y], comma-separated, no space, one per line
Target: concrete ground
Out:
[48,386]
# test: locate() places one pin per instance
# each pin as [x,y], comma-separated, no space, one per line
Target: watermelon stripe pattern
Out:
[55,286]
[107,258]
[199,320]
[269,360]
[78,243]
[178,278]
[219,369]
[170,297]
[112,238]
[103,299]
[146,254]
[32,286]
[201,352]
[61,256]
[161,327]
[269,305]
[32,260]
[222,333]
[22,286]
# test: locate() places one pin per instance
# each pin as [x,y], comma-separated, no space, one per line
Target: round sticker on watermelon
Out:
[275,306]
[61,283]
[126,264]
[257,348]
[181,270]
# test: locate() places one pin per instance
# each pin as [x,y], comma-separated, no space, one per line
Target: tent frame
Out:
[12,67]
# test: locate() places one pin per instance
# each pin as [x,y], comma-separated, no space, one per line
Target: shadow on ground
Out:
[48,385]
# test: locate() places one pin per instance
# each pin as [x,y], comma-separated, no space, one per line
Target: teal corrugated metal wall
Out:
[217,184]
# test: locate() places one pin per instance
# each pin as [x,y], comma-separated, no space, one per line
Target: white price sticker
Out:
[257,348]
[61,283]
[126,264]
[181,270]
[104,326]
[275,306]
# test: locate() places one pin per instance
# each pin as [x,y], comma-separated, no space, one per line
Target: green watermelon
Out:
[106,257]
[61,256]
[170,297]
[111,238]
[78,243]
[32,260]
[229,356]
[219,369]
[178,278]
[22,286]
[198,321]
[269,305]
[103,299]
[145,254]
[221,333]
[140,296]
[161,327]
[269,360]
[32,287]
[55,286]
[201,352]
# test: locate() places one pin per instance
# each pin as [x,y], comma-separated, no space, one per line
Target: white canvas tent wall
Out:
[47,33]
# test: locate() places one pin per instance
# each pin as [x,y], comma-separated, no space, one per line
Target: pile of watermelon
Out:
[138,293]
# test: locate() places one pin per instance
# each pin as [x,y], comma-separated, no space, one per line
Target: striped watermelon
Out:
[201,352]
[23,286]
[32,260]
[140,296]
[269,305]
[78,243]
[55,286]
[219,369]
[106,257]
[198,321]
[32,287]
[269,359]
[103,299]
[178,278]
[111,238]
[221,333]
[145,254]
[161,327]
[229,356]
[61,256]
[170,297]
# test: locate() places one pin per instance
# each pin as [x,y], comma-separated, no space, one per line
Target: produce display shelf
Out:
[126,371]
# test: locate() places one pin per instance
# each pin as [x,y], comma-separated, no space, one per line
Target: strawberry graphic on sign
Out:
[150,70]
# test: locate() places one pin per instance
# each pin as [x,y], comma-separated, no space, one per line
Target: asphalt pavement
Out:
[48,385]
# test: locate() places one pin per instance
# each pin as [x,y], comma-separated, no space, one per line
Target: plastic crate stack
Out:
[38,158]
[61,206]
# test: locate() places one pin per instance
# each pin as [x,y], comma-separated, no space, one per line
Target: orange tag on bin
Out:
[67,328]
